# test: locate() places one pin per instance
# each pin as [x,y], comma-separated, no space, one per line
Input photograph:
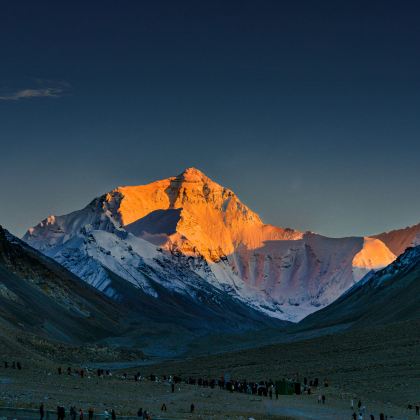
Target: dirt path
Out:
[309,409]
[306,413]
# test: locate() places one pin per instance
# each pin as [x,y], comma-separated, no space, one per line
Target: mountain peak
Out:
[192,175]
[189,222]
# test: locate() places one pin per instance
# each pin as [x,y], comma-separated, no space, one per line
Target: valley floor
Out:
[28,389]
[381,366]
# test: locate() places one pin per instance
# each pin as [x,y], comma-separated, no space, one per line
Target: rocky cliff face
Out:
[188,230]
[195,215]
[399,240]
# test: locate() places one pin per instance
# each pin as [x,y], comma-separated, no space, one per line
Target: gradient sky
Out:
[308,110]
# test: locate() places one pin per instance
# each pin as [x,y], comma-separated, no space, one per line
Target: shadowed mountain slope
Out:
[41,297]
[389,295]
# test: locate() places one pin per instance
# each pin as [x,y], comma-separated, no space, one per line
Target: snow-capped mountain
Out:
[388,295]
[40,297]
[187,233]
[399,240]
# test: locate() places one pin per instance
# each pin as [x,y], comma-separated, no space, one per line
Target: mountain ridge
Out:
[202,228]
[41,300]
[386,296]
[398,240]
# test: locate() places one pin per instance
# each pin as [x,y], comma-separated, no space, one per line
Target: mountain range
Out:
[182,266]
[189,237]
[386,296]
[41,300]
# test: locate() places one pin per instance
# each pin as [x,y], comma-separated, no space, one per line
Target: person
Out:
[41,411]
[163,408]
[19,366]
[277,393]
[360,416]
[62,412]
[323,399]
[319,399]
[90,413]
[382,416]
[140,412]
[270,392]
[354,416]
[113,414]
[73,413]
[372,417]
[80,414]
[106,414]
[352,404]
[172,387]
[359,404]
[192,408]
[417,409]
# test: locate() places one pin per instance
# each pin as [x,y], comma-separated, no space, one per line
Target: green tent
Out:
[285,387]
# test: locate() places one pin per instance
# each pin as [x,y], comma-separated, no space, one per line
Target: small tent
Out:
[286,387]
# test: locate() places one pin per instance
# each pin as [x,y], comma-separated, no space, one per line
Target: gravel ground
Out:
[29,387]
[379,365]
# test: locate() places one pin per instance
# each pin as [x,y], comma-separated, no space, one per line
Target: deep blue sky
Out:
[308,110]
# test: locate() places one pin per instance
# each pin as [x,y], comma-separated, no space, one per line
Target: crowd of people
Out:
[264,388]
[78,414]
[415,407]
[82,372]
[12,365]
[359,411]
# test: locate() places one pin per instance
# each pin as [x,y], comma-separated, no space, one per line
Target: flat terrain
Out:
[380,366]
[29,388]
